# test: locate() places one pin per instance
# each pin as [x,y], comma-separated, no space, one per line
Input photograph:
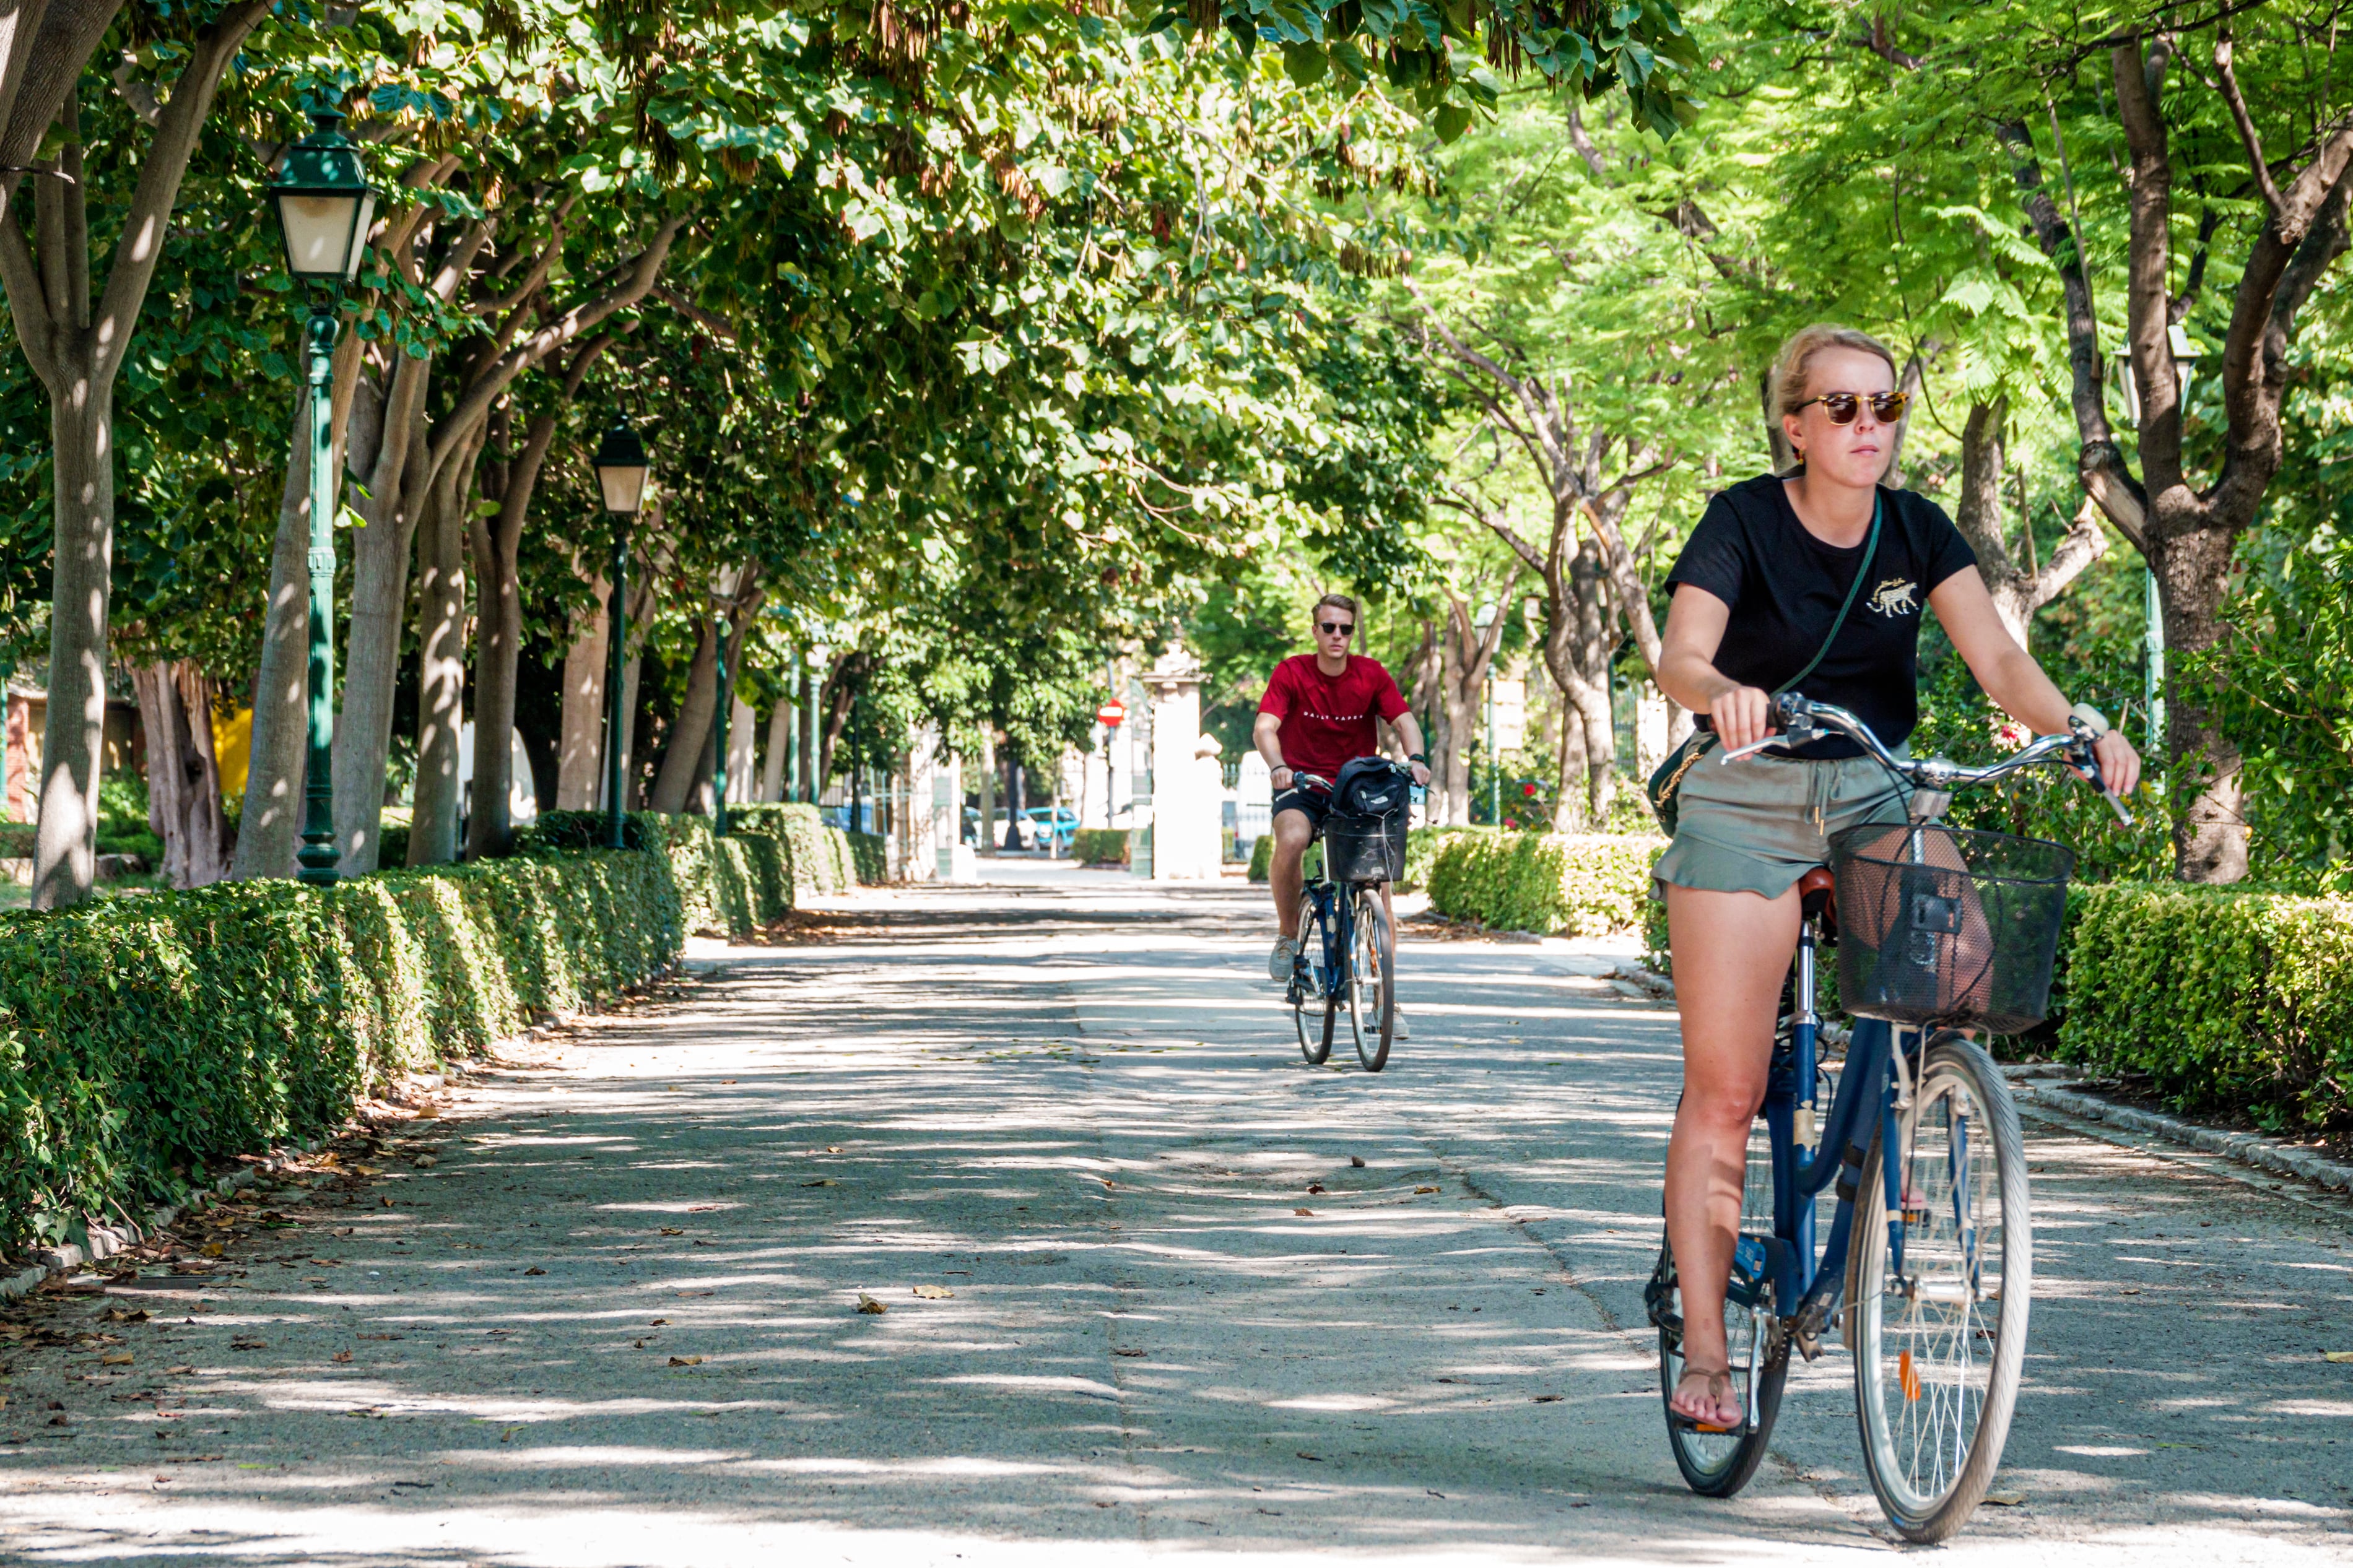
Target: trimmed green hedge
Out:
[1572,885]
[141,1038]
[1105,847]
[2226,999]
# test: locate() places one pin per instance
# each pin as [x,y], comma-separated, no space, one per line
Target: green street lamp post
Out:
[324,206]
[621,464]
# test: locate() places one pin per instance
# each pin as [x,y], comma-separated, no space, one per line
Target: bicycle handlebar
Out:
[1802,720]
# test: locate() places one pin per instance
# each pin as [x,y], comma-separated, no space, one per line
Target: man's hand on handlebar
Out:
[1742,716]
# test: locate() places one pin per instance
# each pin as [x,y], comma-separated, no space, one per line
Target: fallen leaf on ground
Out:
[671,1230]
[2005,1500]
[118,1358]
[1547,1399]
[1127,1353]
[248,1345]
[212,1249]
[534,1270]
[658,1323]
[342,1355]
[1357,1161]
[1304,1214]
[117,1315]
[1305,1455]
[508,1435]
[686,1360]
[428,1112]
[868,1304]
[933,1293]
[2341,1356]
[1315,1187]
[175,1371]
[1425,1189]
[428,1160]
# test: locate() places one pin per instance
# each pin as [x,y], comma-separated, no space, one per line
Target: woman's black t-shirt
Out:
[1785,587]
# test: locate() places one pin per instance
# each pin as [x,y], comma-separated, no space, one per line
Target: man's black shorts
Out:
[1316,804]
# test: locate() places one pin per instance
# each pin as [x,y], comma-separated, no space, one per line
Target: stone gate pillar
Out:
[1184,844]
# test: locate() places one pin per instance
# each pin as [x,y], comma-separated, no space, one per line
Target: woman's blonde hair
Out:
[1790,365]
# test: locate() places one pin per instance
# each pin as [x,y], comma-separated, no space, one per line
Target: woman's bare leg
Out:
[1731,950]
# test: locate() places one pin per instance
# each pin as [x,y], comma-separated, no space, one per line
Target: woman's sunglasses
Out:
[1887,407]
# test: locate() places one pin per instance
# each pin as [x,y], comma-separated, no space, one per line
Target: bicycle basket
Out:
[1365,848]
[1945,927]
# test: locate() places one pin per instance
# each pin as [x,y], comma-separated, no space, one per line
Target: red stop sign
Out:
[1112,715]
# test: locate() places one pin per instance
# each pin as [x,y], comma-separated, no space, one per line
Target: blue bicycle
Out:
[1927,1269]
[1348,948]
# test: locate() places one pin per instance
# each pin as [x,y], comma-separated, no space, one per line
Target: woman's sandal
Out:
[1710,1377]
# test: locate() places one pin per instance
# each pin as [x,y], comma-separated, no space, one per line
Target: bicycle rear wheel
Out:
[1939,1351]
[1718,1464]
[1315,1015]
[1372,1000]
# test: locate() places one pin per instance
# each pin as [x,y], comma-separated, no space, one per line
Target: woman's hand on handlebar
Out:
[1742,716]
[2119,763]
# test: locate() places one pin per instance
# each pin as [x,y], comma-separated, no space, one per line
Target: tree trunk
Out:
[743,738]
[270,829]
[984,837]
[806,748]
[496,542]
[441,677]
[683,756]
[2210,833]
[780,740]
[1569,784]
[580,761]
[184,786]
[65,845]
[399,493]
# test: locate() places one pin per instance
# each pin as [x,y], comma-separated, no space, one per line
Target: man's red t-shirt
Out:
[1328,720]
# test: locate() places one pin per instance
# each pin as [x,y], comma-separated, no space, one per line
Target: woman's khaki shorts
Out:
[1757,825]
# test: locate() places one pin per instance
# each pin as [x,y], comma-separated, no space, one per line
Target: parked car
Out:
[1039,822]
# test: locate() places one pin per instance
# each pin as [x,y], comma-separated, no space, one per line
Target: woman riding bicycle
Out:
[1824,565]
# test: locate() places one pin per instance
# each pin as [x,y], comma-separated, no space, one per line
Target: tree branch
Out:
[2246,122]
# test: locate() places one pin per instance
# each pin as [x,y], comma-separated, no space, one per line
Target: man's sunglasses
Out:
[1887,407]
[1337,628]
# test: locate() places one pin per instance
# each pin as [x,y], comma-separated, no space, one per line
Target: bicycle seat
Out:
[1815,890]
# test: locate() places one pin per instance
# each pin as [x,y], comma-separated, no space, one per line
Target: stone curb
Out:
[2245,1147]
[105,1241]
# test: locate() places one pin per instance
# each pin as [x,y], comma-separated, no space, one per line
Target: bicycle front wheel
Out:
[1718,1464]
[1372,999]
[1313,1013]
[1940,1342]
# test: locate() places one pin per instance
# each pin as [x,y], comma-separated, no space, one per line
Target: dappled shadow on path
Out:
[619,1320]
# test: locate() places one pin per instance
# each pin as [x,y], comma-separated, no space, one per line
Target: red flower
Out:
[1528,791]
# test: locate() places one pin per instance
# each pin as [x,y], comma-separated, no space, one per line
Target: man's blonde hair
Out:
[1338,601]
[1790,392]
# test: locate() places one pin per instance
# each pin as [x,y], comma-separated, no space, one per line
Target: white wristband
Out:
[2093,719]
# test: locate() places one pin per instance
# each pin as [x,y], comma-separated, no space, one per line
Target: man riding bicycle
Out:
[1321,711]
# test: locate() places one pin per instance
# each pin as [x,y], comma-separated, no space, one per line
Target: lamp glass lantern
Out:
[621,470]
[324,204]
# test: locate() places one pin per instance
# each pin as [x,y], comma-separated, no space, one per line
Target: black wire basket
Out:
[1365,848]
[1945,927]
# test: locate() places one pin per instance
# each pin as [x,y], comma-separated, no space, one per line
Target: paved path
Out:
[616,1321]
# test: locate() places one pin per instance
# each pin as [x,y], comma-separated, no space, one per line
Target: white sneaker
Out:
[1282,960]
[1396,1025]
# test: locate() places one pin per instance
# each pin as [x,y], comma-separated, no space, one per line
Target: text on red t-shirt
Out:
[1328,720]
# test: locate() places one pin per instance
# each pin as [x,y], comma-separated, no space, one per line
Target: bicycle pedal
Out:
[1686,1424]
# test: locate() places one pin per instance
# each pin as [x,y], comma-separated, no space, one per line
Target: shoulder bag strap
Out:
[1870,553]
